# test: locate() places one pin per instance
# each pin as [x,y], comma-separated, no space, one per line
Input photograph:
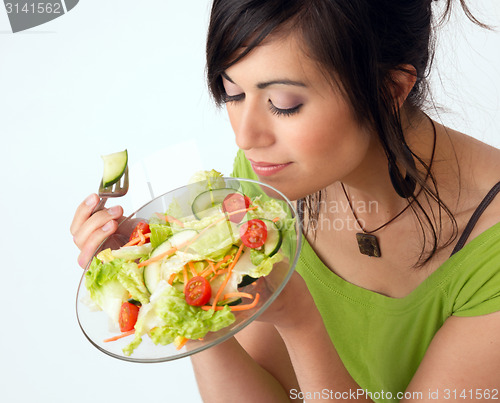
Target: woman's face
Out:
[297,131]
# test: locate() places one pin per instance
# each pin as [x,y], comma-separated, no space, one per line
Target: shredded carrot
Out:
[182,343]
[171,278]
[217,274]
[163,255]
[238,295]
[185,274]
[276,219]
[174,220]
[214,268]
[245,307]
[169,252]
[142,237]
[170,219]
[210,269]
[230,269]
[133,242]
[138,239]
[235,308]
[192,269]
[219,264]
[124,334]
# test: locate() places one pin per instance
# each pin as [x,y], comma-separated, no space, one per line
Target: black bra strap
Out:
[475,216]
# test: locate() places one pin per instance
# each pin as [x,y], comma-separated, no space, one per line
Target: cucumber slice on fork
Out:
[114,167]
[114,181]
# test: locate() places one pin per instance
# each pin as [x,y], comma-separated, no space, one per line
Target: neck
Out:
[369,186]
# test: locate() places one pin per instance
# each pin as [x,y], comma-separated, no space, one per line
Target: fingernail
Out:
[113,210]
[108,226]
[89,201]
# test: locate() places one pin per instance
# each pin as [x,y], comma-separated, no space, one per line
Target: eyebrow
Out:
[268,83]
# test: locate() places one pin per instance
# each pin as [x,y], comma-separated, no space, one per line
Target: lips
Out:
[267,168]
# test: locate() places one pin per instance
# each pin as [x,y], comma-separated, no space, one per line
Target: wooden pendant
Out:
[368,244]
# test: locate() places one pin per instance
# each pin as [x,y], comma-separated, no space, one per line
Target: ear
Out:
[402,80]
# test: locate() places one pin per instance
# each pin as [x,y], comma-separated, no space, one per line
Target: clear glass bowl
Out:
[95,324]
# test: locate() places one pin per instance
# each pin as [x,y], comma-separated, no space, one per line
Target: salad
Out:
[180,277]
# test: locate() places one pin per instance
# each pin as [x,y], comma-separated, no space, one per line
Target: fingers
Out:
[89,230]
[94,240]
[83,212]
[98,225]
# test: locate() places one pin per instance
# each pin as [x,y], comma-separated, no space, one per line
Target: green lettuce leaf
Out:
[132,278]
[216,241]
[269,209]
[190,321]
[169,316]
[132,252]
[213,178]
[265,267]
[104,287]
[159,233]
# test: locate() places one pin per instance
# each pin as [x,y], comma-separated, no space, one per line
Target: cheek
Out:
[335,140]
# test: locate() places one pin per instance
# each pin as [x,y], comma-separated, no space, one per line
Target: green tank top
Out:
[381,340]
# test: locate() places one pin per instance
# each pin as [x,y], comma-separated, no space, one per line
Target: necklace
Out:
[367,242]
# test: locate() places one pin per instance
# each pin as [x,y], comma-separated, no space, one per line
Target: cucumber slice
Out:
[114,167]
[181,237]
[135,302]
[247,280]
[231,302]
[274,238]
[204,203]
[152,272]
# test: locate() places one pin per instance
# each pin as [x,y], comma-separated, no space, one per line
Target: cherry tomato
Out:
[128,316]
[141,227]
[198,291]
[253,233]
[234,202]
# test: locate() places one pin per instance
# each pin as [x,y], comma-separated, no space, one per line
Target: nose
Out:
[251,126]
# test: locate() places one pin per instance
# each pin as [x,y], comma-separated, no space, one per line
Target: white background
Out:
[121,74]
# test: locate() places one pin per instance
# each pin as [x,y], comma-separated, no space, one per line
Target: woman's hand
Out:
[89,230]
[294,305]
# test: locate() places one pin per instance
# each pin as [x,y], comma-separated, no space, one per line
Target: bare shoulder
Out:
[464,354]
[479,161]
[479,165]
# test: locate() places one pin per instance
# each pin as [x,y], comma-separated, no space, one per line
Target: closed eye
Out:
[284,112]
[233,98]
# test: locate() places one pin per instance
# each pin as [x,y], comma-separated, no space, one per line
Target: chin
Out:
[289,190]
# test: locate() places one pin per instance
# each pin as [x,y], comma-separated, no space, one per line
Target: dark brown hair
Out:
[358,43]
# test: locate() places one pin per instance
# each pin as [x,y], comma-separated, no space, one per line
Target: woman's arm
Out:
[462,362]
[269,357]
[319,369]
[252,367]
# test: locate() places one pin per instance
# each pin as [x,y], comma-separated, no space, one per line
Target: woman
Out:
[326,101]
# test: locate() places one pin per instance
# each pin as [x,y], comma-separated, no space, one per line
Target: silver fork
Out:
[117,189]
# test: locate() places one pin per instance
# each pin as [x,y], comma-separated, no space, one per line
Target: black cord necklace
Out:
[368,242]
